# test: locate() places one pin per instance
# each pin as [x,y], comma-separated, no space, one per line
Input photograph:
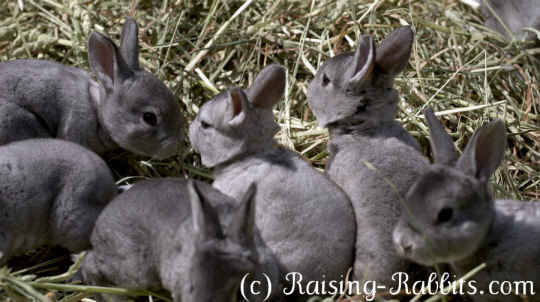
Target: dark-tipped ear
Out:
[485,151]
[268,87]
[442,146]
[129,43]
[106,62]
[204,219]
[242,228]
[236,107]
[364,61]
[394,52]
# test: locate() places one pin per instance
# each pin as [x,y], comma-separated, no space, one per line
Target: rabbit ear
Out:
[129,43]
[106,62]
[202,215]
[442,146]
[394,52]
[268,87]
[236,107]
[242,228]
[364,60]
[485,151]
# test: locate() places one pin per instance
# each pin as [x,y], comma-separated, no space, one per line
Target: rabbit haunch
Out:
[352,94]
[304,218]
[452,217]
[129,108]
[51,193]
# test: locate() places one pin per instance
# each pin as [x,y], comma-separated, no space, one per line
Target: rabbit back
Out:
[26,85]
[318,214]
[51,193]
[375,196]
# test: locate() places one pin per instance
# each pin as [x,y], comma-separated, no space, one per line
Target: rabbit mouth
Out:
[347,122]
[348,126]
[168,149]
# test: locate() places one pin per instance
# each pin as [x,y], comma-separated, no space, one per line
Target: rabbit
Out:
[305,219]
[515,14]
[173,234]
[450,215]
[129,108]
[51,193]
[371,156]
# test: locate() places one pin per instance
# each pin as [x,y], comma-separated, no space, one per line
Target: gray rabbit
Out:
[372,157]
[129,109]
[515,14]
[173,234]
[451,217]
[304,218]
[51,193]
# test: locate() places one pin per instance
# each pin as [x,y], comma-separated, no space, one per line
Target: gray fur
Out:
[304,218]
[516,15]
[51,193]
[47,99]
[360,112]
[452,217]
[173,234]
[129,43]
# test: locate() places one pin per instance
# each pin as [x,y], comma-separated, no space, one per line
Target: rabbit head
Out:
[356,89]
[221,256]
[239,122]
[449,210]
[135,109]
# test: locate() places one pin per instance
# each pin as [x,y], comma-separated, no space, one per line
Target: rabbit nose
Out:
[406,247]
[361,107]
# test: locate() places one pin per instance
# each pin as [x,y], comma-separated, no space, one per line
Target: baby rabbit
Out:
[352,95]
[130,108]
[51,192]
[173,234]
[516,15]
[304,218]
[450,216]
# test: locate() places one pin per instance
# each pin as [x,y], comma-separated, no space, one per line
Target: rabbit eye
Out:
[205,125]
[445,215]
[150,118]
[325,79]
